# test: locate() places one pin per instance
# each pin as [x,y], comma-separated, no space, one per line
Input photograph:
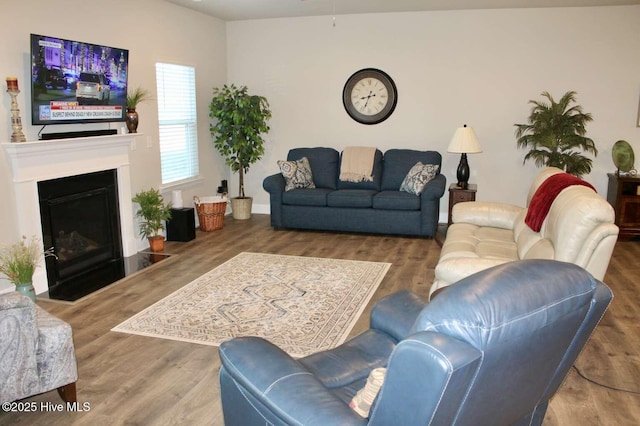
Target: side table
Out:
[623,193]
[182,225]
[459,195]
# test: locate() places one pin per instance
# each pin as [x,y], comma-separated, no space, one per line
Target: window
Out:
[177,121]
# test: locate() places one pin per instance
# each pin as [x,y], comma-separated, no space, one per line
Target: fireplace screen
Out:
[80,220]
[81,231]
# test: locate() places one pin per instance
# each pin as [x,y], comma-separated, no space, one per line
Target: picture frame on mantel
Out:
[638,122]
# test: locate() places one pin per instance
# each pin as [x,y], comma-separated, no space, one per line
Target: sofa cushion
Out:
[398,162]
[396,200]
[377,177]
[419,175]
[297,174]
[465,240]
[361,198]
[324,164]
[306,197]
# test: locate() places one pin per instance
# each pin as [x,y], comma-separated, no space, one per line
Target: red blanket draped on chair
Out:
[544,196]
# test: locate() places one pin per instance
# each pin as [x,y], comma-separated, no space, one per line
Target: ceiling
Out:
[236,10]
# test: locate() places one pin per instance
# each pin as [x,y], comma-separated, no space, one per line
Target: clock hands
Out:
[371,94]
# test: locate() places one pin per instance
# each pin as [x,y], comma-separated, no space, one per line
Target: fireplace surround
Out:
[38,161]
[80,224]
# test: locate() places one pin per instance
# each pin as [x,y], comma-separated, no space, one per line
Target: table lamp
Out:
[464,142]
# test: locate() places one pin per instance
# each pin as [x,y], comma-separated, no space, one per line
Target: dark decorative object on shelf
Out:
[224,187]
[623,157]
[134,97]
[132,120]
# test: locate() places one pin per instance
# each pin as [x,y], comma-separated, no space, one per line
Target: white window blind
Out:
[177,121]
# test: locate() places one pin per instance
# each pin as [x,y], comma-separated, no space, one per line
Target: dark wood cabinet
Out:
[459,195]
[624,195]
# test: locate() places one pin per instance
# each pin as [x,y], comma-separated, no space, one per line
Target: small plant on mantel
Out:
[135,97]
[153,212]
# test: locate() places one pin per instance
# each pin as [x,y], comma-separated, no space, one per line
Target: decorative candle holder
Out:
[16,121]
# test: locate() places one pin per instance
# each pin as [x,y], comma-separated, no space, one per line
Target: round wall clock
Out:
[370,96]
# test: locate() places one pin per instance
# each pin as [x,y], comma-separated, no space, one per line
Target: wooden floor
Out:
[134,380]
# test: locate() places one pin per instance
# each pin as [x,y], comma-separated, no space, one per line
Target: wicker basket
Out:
[211,212]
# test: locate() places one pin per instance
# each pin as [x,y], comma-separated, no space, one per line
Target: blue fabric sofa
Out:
[371,207]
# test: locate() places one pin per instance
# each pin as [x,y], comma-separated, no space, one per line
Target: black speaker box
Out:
[82,134]
[182,225]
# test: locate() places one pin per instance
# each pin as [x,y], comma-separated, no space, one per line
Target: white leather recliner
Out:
[579,229]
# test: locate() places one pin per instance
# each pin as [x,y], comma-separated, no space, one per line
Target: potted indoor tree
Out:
[556,135]
[241,121]
[153,212]
[135,97]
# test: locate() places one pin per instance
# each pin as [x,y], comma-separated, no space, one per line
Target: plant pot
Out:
[27,290]
[241,208]
[156,244]
[131,119]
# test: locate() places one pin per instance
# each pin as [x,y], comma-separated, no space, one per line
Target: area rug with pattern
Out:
[301,304]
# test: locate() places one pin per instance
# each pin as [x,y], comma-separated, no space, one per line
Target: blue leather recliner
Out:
[490,350]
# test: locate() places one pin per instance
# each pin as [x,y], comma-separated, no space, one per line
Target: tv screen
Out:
[77,82]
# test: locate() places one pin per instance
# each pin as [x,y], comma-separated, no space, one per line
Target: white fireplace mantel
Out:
[32,162]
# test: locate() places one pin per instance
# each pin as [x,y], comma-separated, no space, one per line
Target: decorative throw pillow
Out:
[361,403]
[297,174]
[419,175]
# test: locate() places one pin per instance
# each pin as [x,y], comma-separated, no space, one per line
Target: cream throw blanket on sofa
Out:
[357,164]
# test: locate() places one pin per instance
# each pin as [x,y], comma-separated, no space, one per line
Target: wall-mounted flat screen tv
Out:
[77,82]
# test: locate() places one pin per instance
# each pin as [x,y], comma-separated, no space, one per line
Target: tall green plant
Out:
[556,135]
[152,211]
[241,120]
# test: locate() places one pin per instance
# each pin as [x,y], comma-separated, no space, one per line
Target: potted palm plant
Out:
[18,262]
[241,121]
[135,97]
[556,133]
[153,212]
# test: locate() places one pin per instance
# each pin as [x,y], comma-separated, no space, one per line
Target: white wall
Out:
[153,32]
[452,67]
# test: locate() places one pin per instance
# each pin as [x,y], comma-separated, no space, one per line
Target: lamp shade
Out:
[464,141]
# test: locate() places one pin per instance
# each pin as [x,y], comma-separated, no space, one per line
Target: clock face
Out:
[369,96]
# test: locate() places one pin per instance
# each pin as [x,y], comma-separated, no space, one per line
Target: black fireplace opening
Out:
[81,222]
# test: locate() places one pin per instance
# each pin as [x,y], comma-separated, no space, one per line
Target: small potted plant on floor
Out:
[135,97]
[19,261]
[241,120]
[153,212]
